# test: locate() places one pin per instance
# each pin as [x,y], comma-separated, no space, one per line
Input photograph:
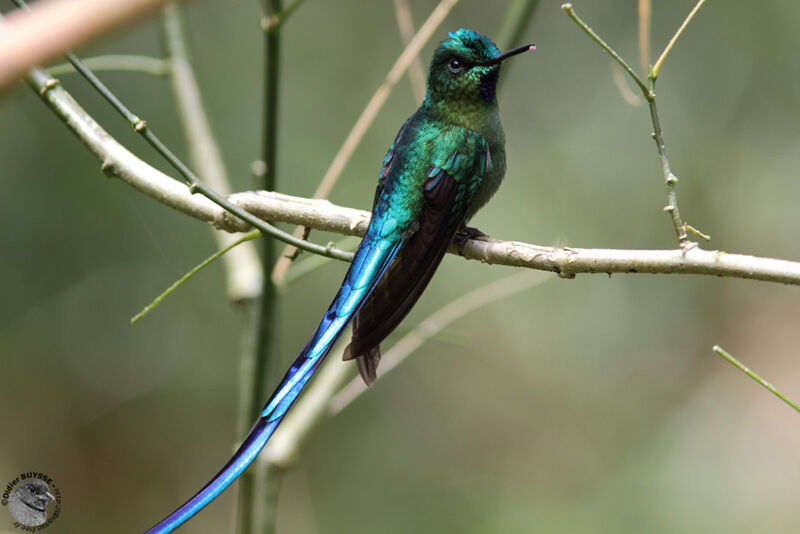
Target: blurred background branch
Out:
[30,37]
[242,266]
[405,24]
[118,62]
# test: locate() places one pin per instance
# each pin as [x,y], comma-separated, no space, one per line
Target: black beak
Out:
[507,55]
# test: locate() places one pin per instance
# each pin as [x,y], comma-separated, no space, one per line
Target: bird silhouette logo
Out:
[27,498]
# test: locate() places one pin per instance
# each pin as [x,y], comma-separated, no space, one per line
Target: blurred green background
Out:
[582,406]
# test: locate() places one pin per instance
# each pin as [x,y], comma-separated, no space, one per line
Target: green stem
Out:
[118,62]
[657,67]
[309,264]
[268,183]
[648,94]
[270,478]
[265,331]
[278,18]
[739,365]
[670,180]
[147,309]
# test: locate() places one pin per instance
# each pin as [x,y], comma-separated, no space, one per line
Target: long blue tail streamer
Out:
[369,265]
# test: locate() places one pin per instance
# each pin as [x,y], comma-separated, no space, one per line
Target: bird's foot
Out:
[464,234]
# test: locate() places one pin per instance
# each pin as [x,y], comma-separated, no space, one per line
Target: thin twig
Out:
[367,116]
[242,266]
[255,234]
[739,365]
[118,62]
[118,161]
[645,10]
[657,67]
[311,263]
[631,97]
[406,26]
[275,19]
[582,25]
[670,179]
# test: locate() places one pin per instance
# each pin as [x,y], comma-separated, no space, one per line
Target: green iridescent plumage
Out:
[449,156]
[447,160]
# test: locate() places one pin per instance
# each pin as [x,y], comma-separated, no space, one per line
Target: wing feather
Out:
[448,190]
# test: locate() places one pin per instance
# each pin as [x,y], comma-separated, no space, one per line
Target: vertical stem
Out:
[645,8]
[266,322]
[669,177]
[270,477]
[264,325]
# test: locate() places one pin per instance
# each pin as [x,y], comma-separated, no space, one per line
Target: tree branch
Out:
[118,162]
[566,262]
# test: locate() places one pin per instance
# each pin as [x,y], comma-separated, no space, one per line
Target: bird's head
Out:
[465,69]
[35,494]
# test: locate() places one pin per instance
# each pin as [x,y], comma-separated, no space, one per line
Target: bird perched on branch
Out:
[447,160]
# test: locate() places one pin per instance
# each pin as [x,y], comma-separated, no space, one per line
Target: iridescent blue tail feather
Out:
[369,264]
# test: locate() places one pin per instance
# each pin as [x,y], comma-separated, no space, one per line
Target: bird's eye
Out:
[455,65]
[32,489]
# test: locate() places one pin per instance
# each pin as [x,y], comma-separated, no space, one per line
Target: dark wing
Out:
[451,183]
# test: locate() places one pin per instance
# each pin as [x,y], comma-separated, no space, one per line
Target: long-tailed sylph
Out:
[447,160]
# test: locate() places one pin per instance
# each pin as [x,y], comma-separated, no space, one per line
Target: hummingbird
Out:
[445,163]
